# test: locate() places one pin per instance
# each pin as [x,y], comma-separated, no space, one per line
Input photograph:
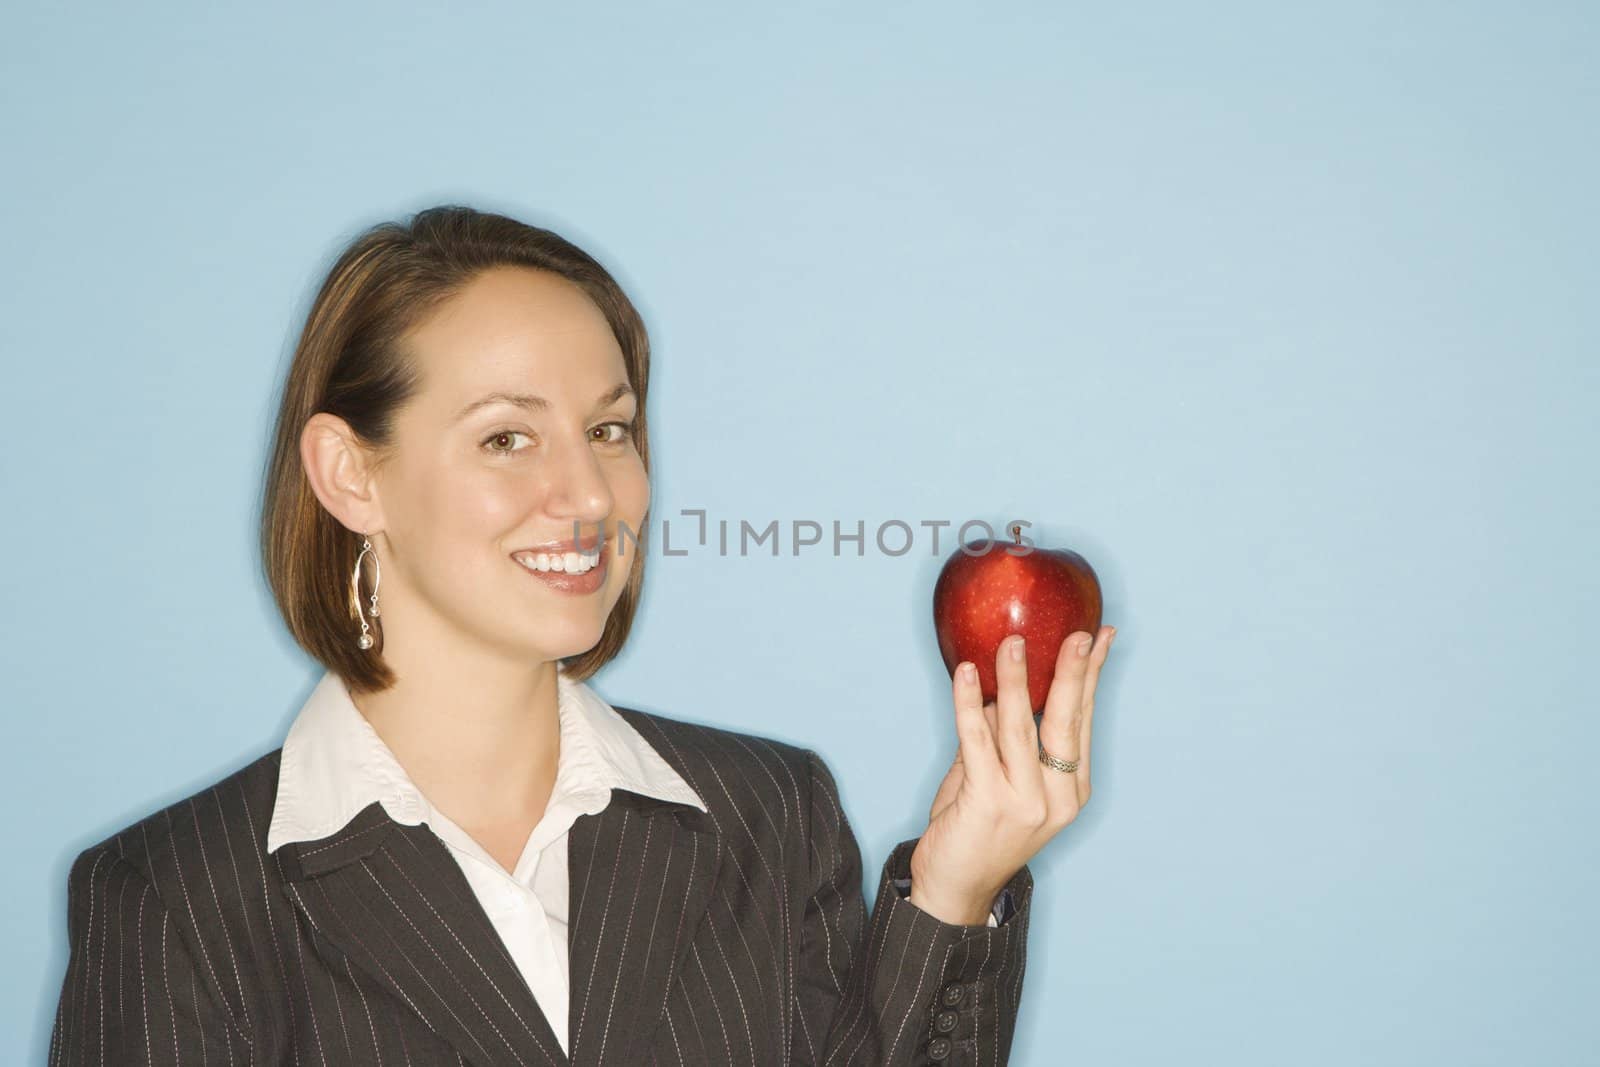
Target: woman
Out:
[461,854]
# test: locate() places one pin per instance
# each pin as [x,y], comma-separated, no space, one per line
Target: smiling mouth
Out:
[559,562]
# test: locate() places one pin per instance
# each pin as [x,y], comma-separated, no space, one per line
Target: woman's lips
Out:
[577,583]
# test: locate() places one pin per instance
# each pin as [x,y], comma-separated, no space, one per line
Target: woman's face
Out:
[516,439]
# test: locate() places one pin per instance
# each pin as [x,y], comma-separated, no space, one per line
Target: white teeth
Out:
[569,562]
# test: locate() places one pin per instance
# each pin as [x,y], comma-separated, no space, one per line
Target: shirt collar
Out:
[334,764]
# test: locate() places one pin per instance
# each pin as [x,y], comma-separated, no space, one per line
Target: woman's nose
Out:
[576,484]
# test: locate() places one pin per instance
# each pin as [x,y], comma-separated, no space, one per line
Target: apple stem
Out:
[1016,534]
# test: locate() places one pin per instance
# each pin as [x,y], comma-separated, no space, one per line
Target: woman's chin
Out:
[566,645]
[560,633]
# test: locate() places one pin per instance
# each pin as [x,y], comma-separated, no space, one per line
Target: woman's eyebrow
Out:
[538,403]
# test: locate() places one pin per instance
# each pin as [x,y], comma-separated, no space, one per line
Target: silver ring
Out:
[1059,764]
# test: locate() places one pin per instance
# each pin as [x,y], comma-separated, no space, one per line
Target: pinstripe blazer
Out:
[738,936]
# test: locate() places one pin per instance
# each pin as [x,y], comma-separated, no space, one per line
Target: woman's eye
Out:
[625,431]
[499,442]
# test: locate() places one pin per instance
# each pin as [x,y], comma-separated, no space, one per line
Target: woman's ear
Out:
[341,472]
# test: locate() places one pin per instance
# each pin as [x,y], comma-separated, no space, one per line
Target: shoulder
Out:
[187,882]
[212,841]
[734,771]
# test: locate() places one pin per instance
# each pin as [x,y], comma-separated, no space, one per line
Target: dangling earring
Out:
[365,640]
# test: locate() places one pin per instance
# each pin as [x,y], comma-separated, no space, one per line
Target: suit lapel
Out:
[391,898]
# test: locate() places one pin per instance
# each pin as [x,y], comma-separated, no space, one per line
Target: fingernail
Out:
[969,673]
[1016,648]
[1083,646]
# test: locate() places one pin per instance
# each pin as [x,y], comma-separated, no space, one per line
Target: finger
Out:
[1097,659]
[1061,729]
[1019,737]
[980,760]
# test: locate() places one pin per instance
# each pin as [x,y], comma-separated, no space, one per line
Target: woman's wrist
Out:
[955,912]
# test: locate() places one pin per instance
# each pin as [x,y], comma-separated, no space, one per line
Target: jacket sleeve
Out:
[132,993]
[909,989]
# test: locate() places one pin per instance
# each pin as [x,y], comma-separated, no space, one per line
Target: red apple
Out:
[989,589]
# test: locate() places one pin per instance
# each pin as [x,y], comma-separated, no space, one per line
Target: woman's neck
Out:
[478,733]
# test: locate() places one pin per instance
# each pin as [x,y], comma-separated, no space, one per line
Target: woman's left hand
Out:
[999,804]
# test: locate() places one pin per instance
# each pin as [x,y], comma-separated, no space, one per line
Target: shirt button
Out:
[946,1021]
[939,1048]
[953,994]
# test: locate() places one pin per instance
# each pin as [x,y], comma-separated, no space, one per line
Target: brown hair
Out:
[350,362]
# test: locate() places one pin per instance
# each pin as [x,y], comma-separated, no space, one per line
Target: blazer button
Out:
[946,1021]
[939,1048]
[953,993]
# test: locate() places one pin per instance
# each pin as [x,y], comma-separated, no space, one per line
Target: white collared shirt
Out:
[335,764]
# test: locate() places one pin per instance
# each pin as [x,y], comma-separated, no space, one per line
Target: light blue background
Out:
[1283,315]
